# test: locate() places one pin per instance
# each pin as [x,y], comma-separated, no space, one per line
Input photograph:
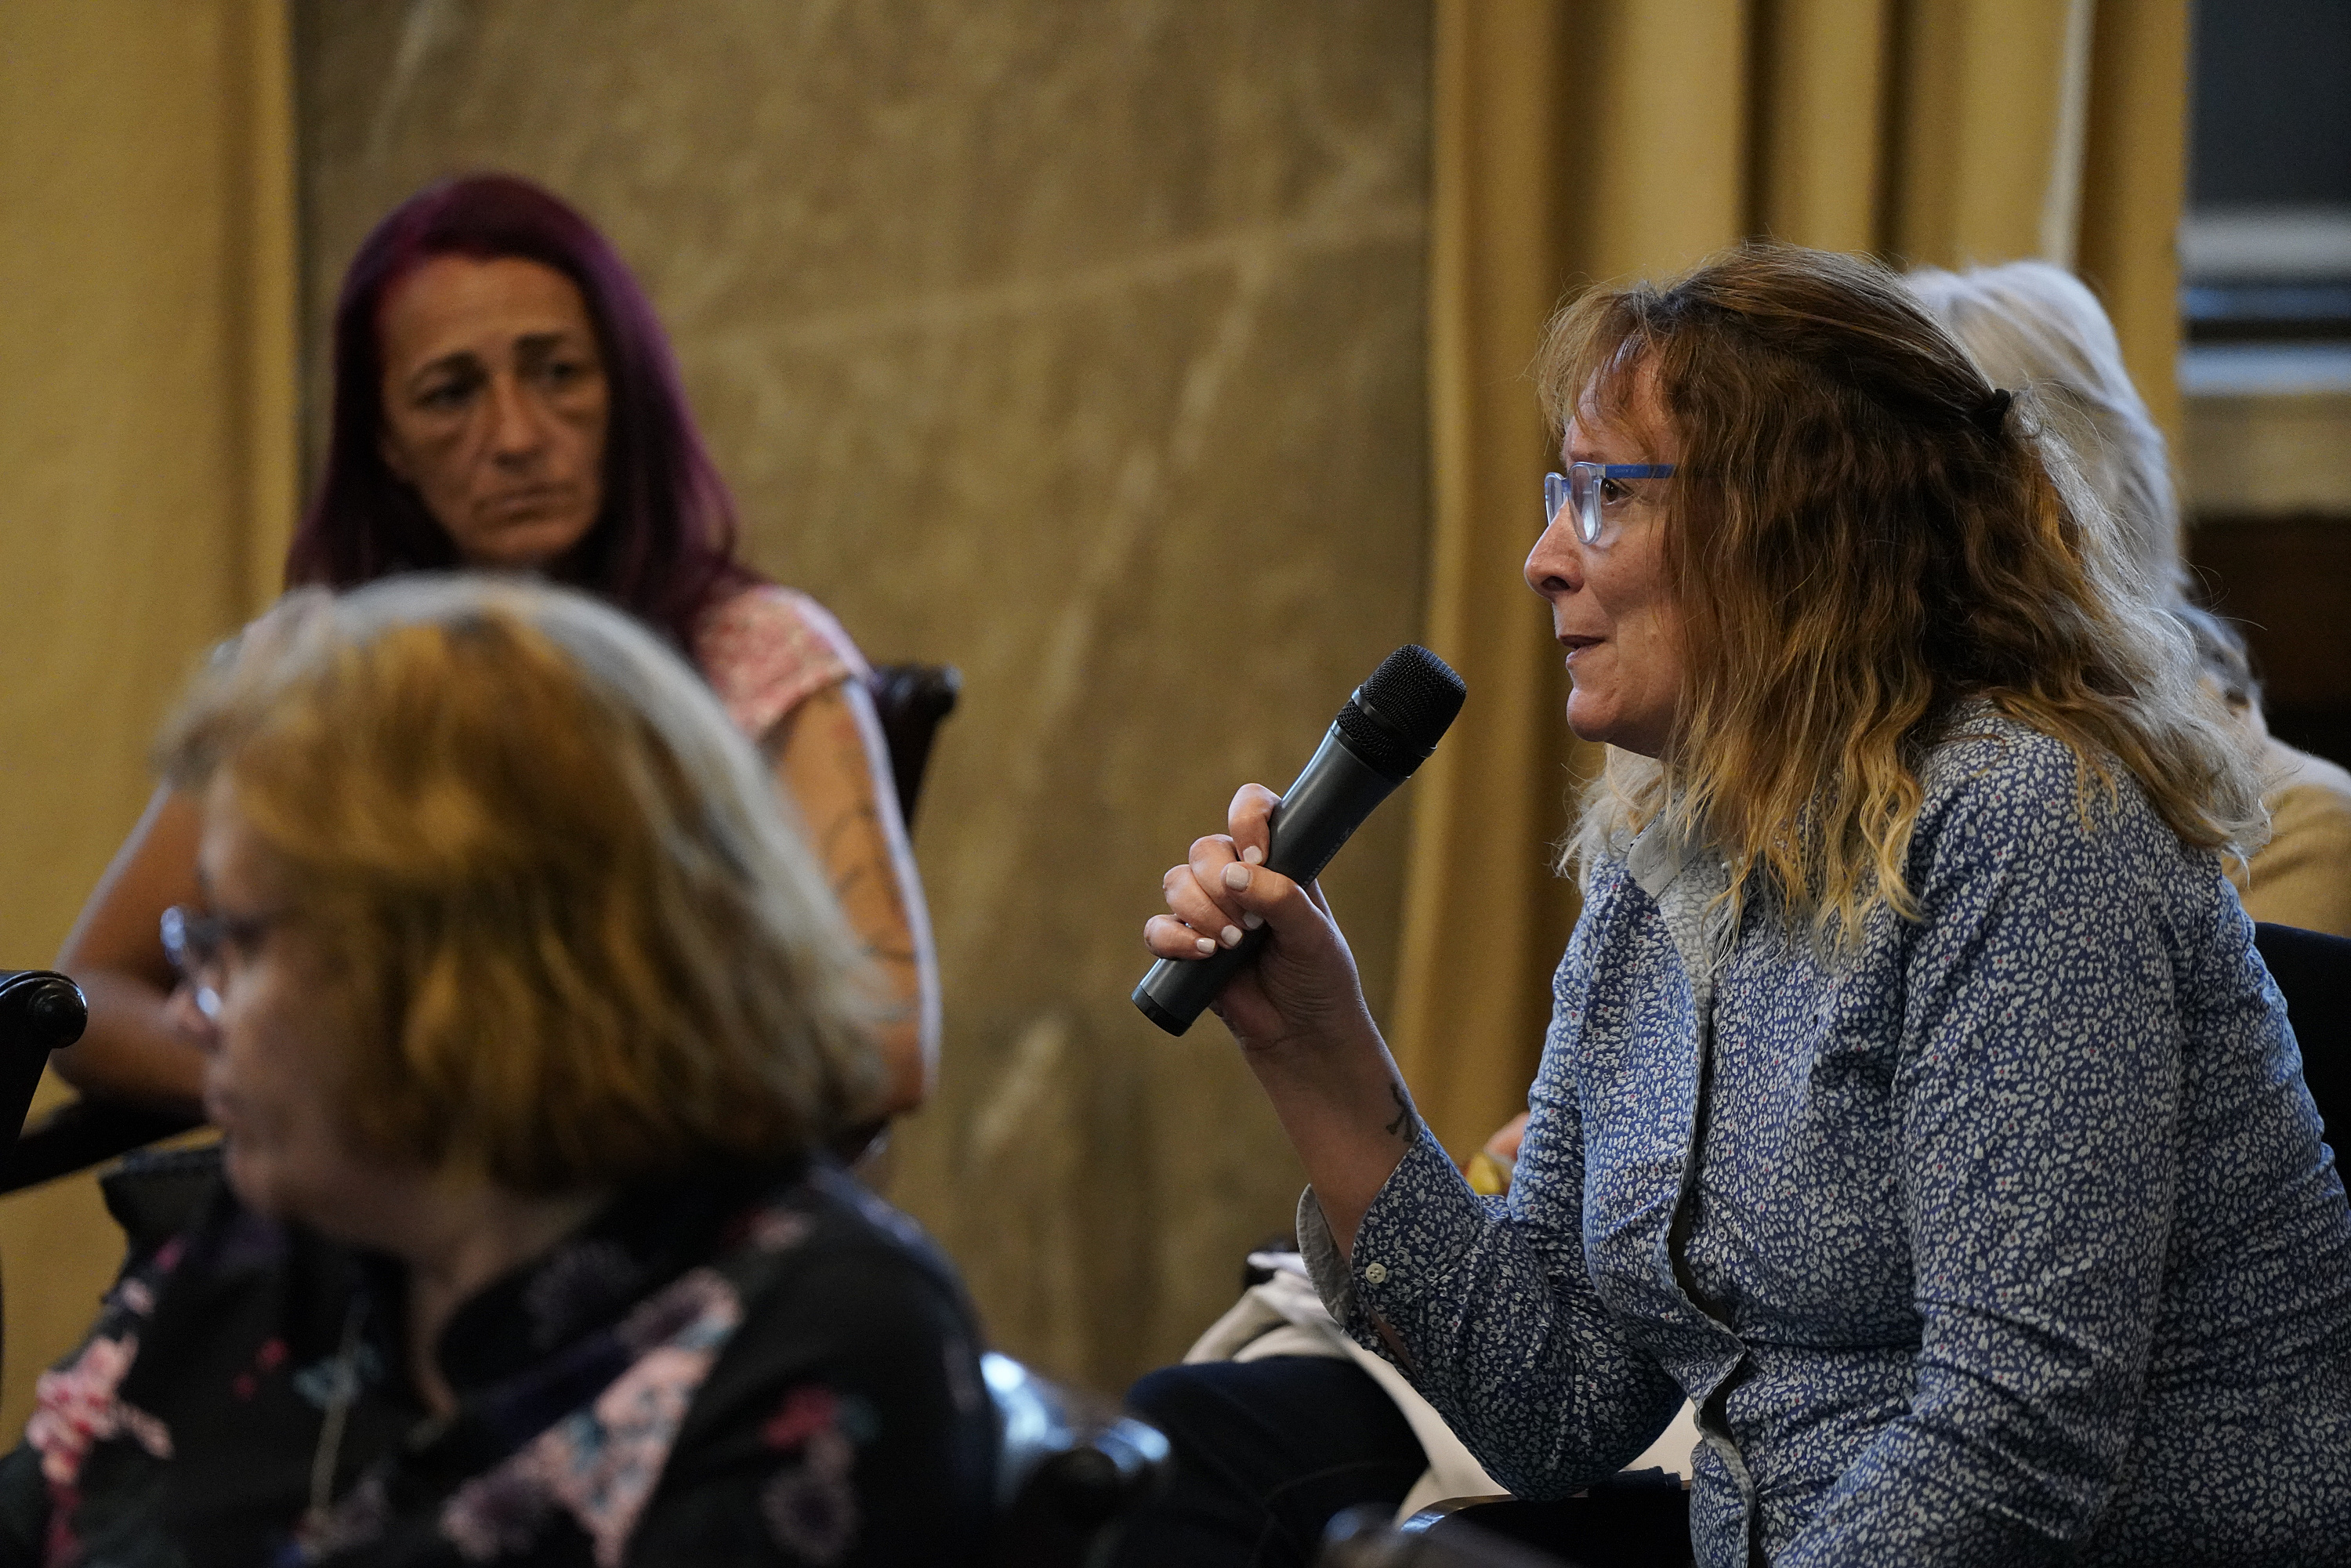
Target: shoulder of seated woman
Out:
[758,609]
[1986,760]
[840,1218]
[1996,788]
[844,1273]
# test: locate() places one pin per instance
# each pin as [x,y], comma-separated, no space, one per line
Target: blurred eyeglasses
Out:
[195,941]
[1592,489]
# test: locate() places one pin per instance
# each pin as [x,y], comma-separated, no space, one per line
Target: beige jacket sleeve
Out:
[2303,876]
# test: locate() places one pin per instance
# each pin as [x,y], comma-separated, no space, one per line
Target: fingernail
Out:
[1205,946]
[1253,854]
[1237,877]
[1253,920]
[1232,935]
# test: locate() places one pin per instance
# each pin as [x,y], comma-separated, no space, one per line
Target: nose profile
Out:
[1555,565]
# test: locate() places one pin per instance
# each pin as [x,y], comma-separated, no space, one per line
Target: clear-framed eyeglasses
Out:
[193,941]
[1594,490]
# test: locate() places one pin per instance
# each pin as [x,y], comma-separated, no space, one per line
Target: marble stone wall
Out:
[1074,342]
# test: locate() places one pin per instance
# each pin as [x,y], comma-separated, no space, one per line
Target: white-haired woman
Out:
[1915,1100]
[2028,324]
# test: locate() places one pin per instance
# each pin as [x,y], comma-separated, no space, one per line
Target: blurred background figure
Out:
[2030,324]
[527,1020]
[504,399]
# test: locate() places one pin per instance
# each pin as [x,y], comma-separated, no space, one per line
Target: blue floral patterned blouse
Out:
[2010,1239]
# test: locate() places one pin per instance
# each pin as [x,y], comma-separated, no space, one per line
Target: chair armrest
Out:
[40,1010]
[82,1134]
[1067,1469]
[1438,1513]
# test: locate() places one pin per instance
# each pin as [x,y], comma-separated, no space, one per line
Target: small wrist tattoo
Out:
[1406,1126]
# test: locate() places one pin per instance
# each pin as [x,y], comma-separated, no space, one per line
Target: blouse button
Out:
[1376,1273]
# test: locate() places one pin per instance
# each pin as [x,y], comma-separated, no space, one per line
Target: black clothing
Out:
[1265,1453]
[769,1368]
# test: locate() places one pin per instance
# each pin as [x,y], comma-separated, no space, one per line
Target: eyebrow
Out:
[1587,454]
[526,343]
[454,360]
[535,342]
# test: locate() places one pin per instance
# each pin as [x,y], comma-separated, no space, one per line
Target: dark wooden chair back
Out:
[912,700]
[40,1010]
[2313,971]
[1067,1470]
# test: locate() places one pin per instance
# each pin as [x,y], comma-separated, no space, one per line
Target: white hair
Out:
[2030,324]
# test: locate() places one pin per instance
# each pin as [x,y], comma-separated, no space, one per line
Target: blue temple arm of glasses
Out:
[1635,470]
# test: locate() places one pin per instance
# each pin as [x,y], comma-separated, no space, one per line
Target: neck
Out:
[456,1235]
[477,1236]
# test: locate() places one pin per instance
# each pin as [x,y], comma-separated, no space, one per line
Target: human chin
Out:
[522,544]
[1590,714]
[1606,718]
[1595,696]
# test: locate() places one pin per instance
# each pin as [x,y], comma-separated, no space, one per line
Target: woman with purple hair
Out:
[505,399]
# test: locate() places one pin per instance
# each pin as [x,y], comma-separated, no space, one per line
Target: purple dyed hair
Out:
[663,546]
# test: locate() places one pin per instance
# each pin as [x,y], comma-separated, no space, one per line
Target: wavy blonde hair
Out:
[568,936]
[1861,537]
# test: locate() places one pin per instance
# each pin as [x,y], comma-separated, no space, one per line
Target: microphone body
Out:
[1388,727]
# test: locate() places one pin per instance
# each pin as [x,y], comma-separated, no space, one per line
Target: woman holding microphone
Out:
[1914,1100]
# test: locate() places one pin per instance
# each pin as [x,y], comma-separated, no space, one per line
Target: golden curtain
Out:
[1584,139]
[146,468]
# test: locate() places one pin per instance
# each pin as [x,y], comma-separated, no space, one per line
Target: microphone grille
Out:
[1396,717]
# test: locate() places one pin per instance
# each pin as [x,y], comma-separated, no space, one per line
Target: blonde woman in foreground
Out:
[527,1019]
[1914,1100]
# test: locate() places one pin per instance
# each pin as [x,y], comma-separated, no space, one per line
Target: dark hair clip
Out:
[1991,414]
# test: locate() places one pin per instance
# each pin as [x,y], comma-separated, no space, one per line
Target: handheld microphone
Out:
[1387,728]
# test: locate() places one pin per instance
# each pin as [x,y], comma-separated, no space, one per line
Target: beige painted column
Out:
[146,469]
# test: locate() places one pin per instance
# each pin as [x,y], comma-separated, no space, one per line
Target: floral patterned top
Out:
[2009,1239]
[771,1370]
[767,650]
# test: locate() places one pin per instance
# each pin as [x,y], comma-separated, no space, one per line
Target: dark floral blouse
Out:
[771,1369]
